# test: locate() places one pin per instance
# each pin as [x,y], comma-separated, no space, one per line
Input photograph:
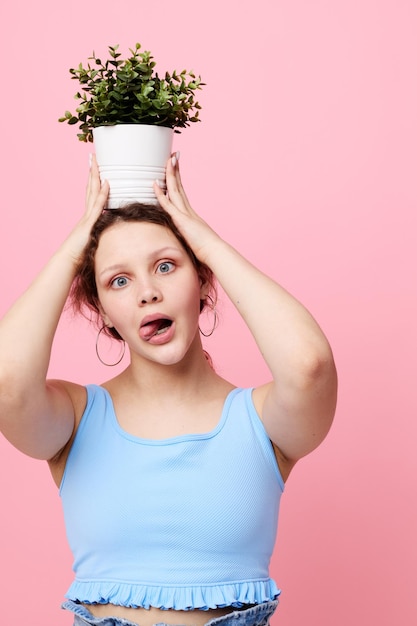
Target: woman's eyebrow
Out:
[111,268]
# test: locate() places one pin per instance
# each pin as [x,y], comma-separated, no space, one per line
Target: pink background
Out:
[305,160]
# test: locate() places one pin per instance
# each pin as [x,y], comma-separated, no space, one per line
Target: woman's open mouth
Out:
[154,327]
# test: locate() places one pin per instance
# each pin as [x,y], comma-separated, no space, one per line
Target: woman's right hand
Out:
[97,192]
[96,197]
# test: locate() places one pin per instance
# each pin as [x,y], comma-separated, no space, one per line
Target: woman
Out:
[170,477]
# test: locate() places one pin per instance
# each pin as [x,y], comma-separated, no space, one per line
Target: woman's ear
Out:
[204,289]
[207,299]
[106,320]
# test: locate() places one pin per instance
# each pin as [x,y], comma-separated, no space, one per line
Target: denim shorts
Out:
[258,615]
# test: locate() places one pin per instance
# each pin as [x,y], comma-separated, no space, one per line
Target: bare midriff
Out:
[148,617]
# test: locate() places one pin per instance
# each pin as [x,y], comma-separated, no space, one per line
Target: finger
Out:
[94,183]
[103,196]
[95,175]
[160,195]
[88,187]
[98,203]
[174,184]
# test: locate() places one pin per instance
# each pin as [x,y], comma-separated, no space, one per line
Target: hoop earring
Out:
[215,320]
[98,354]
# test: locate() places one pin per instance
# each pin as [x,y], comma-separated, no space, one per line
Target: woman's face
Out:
[149,290]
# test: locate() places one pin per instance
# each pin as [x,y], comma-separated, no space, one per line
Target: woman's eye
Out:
[120,281]
[165,267]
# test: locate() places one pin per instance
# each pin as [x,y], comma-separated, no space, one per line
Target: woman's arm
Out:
[297,407]
[37,416]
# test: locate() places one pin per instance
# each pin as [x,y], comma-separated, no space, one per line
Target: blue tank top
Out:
[187,522]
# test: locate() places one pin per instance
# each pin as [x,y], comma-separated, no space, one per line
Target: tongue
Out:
[149,330]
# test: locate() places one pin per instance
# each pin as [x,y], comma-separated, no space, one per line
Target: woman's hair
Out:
[84,297]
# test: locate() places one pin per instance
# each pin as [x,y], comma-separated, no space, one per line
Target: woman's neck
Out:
[180,380]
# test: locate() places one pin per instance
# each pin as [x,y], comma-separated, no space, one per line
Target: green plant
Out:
[128,91]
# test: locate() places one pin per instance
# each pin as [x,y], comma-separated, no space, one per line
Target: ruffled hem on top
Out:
[234,594]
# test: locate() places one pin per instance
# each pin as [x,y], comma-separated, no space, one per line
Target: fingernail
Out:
[158,182]
[174,160]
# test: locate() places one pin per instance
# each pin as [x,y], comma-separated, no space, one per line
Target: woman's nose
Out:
[148,294]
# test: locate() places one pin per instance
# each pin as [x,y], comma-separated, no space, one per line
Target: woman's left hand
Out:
[196,231]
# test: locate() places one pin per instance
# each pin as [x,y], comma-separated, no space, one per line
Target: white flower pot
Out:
[131,157]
